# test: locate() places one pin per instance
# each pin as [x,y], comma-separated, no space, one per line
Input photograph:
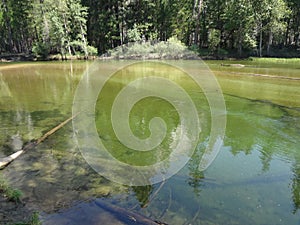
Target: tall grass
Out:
[10,193]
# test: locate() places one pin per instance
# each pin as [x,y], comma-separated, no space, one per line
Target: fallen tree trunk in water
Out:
[30,145]
[126,216]
[234,65]
[5,161]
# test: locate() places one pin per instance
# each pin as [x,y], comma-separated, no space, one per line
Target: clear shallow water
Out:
[254,180]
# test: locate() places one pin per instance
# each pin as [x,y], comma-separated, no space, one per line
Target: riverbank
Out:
[172,49]
[7,58]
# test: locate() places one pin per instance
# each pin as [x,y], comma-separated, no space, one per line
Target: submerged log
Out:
[126,216]
[5,161]
[233,65]
[32,144]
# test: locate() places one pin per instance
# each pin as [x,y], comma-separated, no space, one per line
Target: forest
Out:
[237,28]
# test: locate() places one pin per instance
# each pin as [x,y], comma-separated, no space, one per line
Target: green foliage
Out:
[69,27]
[41,50]
[194,48]
[92,51]
[77,47]
[249,41]
[133,50]
[137,49]
[10,193]
[61,28]
[13,194]
[35,219]
[214,39]
[222,52]
[134,34]
[173,48]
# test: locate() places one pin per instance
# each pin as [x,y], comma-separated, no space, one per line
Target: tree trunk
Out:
[260,40]
[7,160]
[196,16]
[126,216]
[46,31]
[240,48]
[121,31]
[67,35]
[269,42]
[120,17]
[86,54]
[287,42]
[8,26]
[240,41]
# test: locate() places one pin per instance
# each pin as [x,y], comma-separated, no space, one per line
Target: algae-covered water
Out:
[255,178]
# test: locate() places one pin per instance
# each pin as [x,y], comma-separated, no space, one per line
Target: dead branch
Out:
[30,145]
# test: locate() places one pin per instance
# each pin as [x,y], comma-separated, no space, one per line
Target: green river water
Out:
[255,179]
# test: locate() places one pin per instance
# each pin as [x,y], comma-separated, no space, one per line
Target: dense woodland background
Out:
[90,27]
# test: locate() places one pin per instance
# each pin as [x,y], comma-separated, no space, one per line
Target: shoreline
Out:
[21,57]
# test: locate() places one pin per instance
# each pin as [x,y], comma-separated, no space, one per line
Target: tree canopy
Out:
[70,27]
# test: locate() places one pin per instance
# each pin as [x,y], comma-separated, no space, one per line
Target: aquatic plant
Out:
[34,220]
[10,193]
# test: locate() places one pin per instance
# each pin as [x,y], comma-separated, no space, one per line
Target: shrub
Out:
[222,52]
[173,48]
[41,50]
[137,49]
[92,51]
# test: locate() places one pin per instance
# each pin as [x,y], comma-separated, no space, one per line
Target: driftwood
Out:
[127,216]
[233,65]
[30,145]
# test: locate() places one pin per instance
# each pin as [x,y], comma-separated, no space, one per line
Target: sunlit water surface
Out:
[254,180]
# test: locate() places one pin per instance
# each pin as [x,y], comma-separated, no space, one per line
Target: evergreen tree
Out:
[68,26]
